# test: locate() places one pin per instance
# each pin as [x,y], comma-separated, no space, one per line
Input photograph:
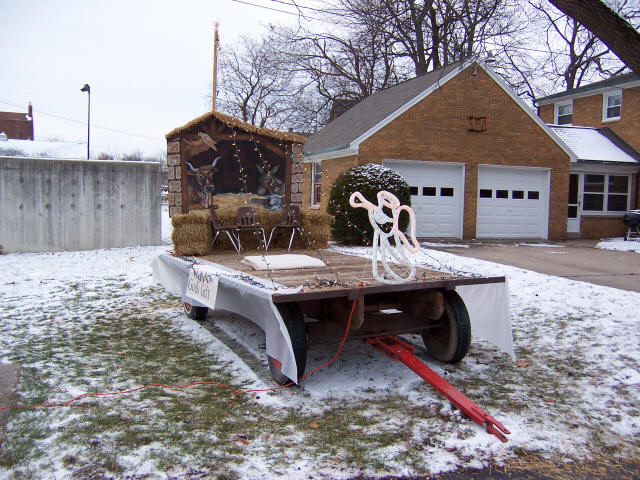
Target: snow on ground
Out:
[94,321]
[44,148]
[444,245]
[620,244]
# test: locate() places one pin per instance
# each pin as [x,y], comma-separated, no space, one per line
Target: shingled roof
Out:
[615,81]
[374,109]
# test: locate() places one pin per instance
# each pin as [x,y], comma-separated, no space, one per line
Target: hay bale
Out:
[192,234]
[233,201]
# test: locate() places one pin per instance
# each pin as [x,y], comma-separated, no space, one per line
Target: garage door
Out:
[437,196]
[512,202]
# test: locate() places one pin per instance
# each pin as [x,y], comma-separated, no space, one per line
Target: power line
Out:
[298,14]
[83,123]
[304,7]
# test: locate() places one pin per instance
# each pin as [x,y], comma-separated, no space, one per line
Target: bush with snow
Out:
[351,225]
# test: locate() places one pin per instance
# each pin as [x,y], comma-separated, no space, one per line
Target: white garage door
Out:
[512,202]
[437,196]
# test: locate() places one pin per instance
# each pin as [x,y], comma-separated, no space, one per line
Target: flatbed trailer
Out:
[316,305]
[341,301]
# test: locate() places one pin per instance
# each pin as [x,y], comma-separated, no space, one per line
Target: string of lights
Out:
[246,192]
[309,240]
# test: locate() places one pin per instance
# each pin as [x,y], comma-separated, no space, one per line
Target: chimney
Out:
[30,110]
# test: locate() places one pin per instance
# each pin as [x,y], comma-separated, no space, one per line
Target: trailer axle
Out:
[398,350]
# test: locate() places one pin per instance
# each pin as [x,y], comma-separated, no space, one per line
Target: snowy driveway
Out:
[573,259]
[94,322]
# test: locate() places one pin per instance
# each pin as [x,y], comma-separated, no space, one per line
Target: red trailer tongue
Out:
[397,350]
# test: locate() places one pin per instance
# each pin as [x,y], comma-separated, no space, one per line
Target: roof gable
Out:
[378,109]
[343,136]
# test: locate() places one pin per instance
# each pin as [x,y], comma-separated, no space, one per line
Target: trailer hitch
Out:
[398,350]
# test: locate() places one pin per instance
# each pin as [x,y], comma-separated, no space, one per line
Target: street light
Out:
[87,89]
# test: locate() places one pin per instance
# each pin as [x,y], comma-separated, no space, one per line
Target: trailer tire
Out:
[449,341]
[193,312]
[294,321]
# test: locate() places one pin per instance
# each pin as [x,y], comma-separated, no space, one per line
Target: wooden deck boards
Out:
[341,277]
[349,270]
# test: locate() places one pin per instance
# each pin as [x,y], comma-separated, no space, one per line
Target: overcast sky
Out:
[149,64]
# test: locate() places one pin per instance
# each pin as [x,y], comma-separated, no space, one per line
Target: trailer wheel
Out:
[448,341]
[193,312]
[294,321]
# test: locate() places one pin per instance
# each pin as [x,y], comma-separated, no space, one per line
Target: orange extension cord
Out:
[193,384]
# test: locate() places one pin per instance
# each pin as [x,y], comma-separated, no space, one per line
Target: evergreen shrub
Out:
[367,179]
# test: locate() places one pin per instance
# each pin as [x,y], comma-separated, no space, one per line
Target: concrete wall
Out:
[54,205]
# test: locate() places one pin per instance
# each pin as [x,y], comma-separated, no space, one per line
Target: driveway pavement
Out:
[575,259]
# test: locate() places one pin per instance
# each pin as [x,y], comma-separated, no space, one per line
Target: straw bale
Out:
[192,234]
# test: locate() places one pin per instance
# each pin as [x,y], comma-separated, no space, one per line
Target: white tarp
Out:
[487,304]
[488,307]
[234,295]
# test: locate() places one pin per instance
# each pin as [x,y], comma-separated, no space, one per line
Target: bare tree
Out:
[258,86]
[574,53]
[347,67]
[616,25]
[432,33]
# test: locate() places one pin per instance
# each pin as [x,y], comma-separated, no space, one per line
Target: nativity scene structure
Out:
[217,155]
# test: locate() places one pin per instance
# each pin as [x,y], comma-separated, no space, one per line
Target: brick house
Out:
[600,189]
[480,163]
[16,125]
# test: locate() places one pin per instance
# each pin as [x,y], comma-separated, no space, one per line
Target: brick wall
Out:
[437,129]
[602,227]
[587,112]
[546,113]
[331,170]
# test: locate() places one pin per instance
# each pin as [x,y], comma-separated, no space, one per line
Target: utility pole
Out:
[215,65]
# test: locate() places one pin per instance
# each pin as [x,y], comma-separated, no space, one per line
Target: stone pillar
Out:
[174,172]
[297,174]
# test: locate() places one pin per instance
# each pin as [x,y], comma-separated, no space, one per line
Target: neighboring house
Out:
[612,103]
[602,181]
[480,163]
[612,107]
[17,126]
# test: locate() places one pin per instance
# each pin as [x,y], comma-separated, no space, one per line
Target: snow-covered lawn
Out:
[620,244]
[95,322]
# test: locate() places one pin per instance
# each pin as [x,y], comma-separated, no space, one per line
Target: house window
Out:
[428,191]
[612,106]
[316,183]
[564,113]
[413,191]
[605,193]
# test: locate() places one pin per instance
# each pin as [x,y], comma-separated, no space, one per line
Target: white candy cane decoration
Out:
[377,217]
